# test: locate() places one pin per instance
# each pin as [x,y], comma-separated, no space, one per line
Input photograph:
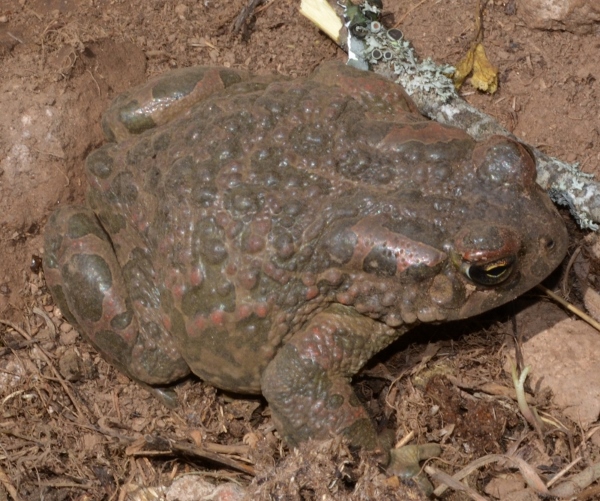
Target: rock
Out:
[69,366]
[586,271]
[564,357]
[501,487]
[577,16]
[194,487]
[68,336]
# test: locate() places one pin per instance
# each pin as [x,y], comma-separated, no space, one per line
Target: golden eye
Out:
[493,273]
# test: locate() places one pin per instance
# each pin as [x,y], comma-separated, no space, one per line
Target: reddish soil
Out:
[85,431]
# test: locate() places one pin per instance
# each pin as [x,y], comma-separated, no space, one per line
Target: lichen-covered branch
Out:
[386,52]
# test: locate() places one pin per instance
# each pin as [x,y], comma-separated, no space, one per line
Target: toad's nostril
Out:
[548,243]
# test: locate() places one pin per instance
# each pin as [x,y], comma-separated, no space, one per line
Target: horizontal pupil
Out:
[496,270]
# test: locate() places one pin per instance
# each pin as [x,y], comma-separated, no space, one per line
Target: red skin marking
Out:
[195,326]
[432,133]
[509,246]
[261,310]
[217,317]
[243,311]
[275,273]
[248,279]
[319,350]
[210,83]
[196,277]
[231,269]
[371,233]
[200,322]
[364,88]
[166,322]
[262,225]
[344,298]
[312,292]
[309,279]
[111,306]
[178,291]
[254,244]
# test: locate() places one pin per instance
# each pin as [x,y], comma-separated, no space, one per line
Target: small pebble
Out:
[69,366]
[68,338]
[65,327]
[182,10]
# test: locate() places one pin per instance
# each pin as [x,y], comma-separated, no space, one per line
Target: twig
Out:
[46,358]
[404,440]
[531,477]
[577,482]
[8,485]
[67,485]
[202,453]
[565,279]
[15,37]
[226,449]
[450,481]
[563,472]
[528,413]
[246,13]
[570,307]
[264,7]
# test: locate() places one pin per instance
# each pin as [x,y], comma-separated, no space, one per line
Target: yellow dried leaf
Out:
[464,68]
[485,74]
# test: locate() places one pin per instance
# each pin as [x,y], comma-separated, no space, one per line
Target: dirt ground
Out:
[73,428]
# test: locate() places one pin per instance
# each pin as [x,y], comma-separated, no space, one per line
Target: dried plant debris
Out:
[484,75]
[371,46]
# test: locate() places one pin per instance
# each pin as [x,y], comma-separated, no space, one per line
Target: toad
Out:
[271,235]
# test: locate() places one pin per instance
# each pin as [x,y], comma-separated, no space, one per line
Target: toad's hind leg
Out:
[164,98]
[88,284]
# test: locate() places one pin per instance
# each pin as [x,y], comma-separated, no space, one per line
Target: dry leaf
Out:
[485,75]
[464,68]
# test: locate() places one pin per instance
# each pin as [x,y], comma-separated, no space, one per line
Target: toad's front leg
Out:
[307,384]
[308,387]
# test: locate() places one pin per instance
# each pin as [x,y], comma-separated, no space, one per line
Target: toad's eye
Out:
[492,273]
